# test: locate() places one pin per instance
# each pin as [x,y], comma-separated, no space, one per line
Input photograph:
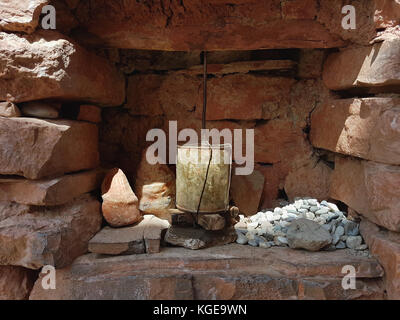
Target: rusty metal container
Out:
[191,171]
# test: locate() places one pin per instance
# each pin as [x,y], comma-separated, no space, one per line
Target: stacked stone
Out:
[364,134]
[49,165]
[201,231]
[304,224]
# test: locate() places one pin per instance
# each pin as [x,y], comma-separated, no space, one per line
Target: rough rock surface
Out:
[128,240]
[49,192]
[270,228]
[367,128]
[278,140]
[46,65]
[120,204]
[235,96]
[387,13]
[89,113]
[245,97]
[212,222]
[312,180]
[155,187]
[198,238]
[38,236]
[21,15]
[9,110]
[310,63]
[246,192]
[226,272]
[117,241]
[370,188]
[36,148]
[210,25]
[16,283]
[153,94]
[241,67]
[307,234]
[374,66]
[385,246]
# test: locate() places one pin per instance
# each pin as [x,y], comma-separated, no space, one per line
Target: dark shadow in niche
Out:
[70,110]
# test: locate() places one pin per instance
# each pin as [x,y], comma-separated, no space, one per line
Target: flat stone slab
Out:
[199,238]
[33,237]
[59,69]
[50,192]
[368,67]
[36,148]
[370,188]
[225,272]
[242,67]
[130,240]
[364,128]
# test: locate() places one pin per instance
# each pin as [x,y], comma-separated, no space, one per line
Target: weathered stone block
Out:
[278,140]
[226,272]
[374,66]
[47,65]
[36,148]
[312,180]
[210,25]
[16,283]
[387,13]
[130,240]
[21,15]
[36,236]
[245,97]
[367,128]
[370,188]
[49,192]
[385,246]
[246,192]
[198,238]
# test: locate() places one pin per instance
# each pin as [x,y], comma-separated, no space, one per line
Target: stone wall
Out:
[283,68]
[51,88]
[362,127]
[270,91]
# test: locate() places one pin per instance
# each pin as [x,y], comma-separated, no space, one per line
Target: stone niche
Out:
[272,92]
[323,103]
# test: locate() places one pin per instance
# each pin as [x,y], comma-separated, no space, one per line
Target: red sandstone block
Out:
[373,66]
[385,245]
[370,188]
[367,128]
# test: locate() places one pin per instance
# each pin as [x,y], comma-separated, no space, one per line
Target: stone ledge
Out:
[370,188]
[33,237]
[49,65]
[49,192]
[21,15]
[368,67]
[364,128]
[36,148]
[385,245]
[206,25]
[225,272]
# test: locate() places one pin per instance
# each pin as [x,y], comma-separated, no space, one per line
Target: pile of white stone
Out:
[305,224]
